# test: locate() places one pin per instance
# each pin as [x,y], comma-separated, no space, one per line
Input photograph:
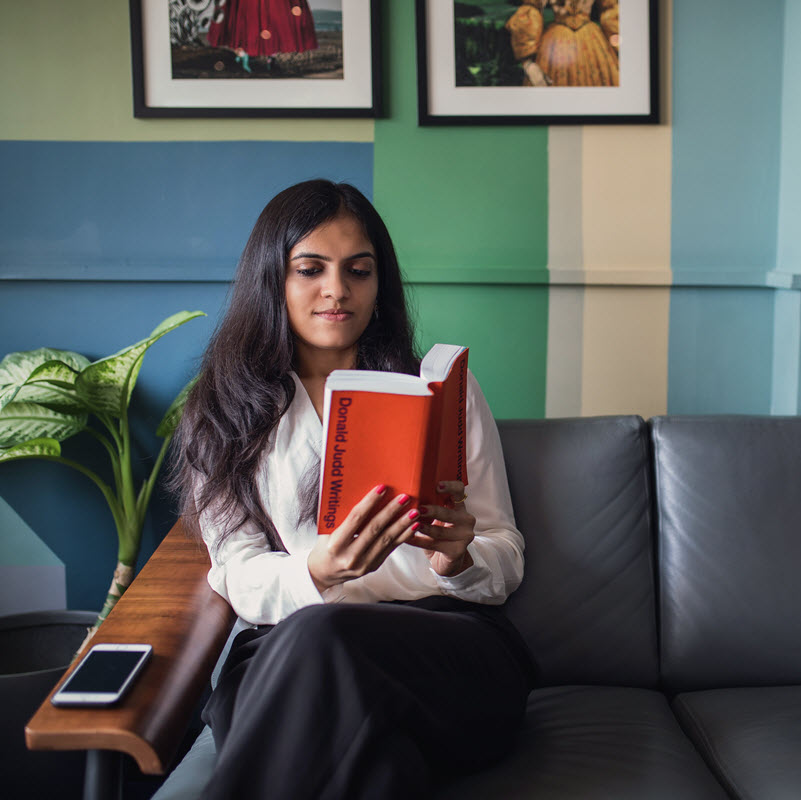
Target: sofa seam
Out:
[711,754]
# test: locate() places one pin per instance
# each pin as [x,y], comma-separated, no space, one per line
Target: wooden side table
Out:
[171,606]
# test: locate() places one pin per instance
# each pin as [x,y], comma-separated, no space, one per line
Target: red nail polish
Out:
[440,487]
[424,510]
[381,488]
[416,526]
[404,499]
[414,514]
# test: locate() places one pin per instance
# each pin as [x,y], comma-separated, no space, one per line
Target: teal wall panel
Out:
[789,243]
[786,397]
[720,358]
[727,84]
[730,187]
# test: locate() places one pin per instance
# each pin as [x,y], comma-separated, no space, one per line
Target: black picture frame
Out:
[360,95]
[441,102]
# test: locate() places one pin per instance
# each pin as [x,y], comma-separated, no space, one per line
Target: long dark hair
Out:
[244,386]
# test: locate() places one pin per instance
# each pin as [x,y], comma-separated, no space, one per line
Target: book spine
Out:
[334,462]
[461,423]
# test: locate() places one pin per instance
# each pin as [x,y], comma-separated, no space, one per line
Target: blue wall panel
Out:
[61,506]
[183,207]
[128,212]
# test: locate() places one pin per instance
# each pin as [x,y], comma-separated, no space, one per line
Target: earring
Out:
[375,311]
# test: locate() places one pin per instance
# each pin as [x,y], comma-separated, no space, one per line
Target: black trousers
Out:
[367,701]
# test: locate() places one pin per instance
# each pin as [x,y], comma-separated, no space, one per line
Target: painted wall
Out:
[727,164]
[597,269]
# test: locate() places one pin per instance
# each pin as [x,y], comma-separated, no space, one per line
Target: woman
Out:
[379,660]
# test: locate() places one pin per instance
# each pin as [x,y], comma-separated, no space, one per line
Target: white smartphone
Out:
[103,676]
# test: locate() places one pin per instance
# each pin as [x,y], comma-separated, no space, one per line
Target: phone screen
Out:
[103,671]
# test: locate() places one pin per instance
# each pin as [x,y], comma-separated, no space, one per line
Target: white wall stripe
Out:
[565,263]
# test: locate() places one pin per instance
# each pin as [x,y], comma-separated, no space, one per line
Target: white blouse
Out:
[263,587]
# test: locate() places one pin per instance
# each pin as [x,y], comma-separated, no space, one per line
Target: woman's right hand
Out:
[363,541]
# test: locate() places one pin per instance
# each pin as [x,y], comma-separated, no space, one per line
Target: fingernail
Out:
[416,526]
[423,510]
[414,514]
[440,487]
[404,499]
[381,488]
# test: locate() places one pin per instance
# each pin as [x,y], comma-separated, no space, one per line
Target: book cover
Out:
[386,427]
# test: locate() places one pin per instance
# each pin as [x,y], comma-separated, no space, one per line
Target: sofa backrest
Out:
[728,493]
[581,494]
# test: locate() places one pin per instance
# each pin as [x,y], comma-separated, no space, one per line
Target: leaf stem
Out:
[129,536]
[110,427]
[112,454]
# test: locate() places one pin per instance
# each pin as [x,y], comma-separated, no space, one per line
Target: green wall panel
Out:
[457,196]
[467,204]
[504,327]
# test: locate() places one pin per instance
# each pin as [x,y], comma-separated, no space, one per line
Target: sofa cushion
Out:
[595,742]
[581,494]
[751,738]
[729,525]
[577,742]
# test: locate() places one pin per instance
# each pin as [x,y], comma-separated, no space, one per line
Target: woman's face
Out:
[331,290]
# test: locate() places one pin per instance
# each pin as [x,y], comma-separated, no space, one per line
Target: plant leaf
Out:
[106,385]
[52,384]
[46,376]
[172,416]
[21,422]
[7,394]
[57,372]
[35,448]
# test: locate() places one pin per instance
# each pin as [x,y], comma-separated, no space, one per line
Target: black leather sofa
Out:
[662,599]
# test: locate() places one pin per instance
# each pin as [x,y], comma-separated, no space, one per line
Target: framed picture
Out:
[291,58]
[540,62]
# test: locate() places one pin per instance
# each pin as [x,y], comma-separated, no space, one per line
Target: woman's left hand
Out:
[445,531]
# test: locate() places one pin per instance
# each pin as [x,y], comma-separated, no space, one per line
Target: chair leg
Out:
[103,778]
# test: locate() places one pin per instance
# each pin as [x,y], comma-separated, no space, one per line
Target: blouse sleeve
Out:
[262,586]
[497,549]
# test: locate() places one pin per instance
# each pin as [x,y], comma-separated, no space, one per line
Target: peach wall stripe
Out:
[625,350]
[626,202]
[626,199]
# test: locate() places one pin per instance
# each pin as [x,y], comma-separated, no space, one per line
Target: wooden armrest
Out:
[171,606]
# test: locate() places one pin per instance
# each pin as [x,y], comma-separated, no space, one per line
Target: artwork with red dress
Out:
[263,27]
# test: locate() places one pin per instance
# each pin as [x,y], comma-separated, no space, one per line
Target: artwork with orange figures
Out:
[537,43]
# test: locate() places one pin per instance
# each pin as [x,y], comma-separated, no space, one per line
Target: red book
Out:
[386,427]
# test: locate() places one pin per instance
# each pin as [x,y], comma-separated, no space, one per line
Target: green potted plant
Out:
[48,395]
